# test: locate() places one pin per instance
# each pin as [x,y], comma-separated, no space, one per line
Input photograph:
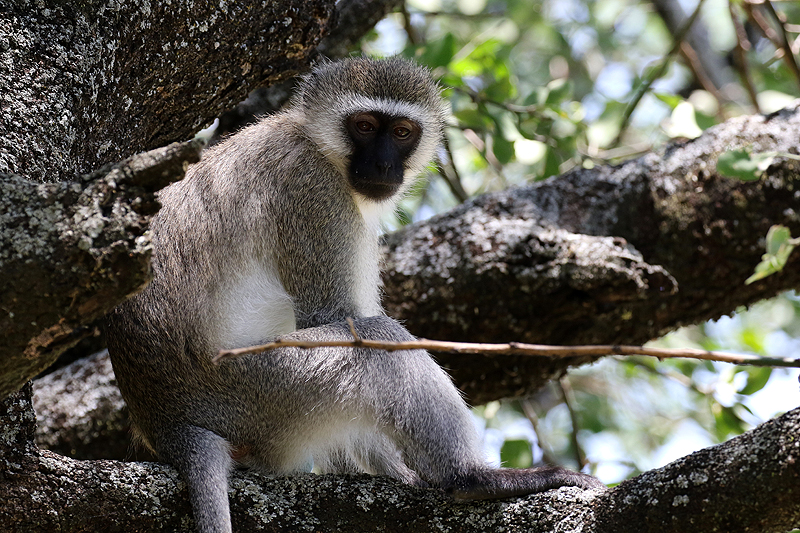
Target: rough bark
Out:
[747,484]
[80,412]
[88,83]
[71,251]
[354,18]
[611,255]
[750,483]
[18,453]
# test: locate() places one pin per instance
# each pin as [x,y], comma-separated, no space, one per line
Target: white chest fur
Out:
[367,280]
[256,308]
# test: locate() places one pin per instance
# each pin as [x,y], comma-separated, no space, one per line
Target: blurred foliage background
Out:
[539,87]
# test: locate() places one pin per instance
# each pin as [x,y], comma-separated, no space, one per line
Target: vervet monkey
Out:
[274,233]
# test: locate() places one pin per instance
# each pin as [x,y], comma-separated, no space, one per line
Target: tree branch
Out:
[611,255]
[516,348]
[71,251]
[781,40]
[354,18]
[88,83]
[710,61]
[748,483]
[657,72]
[500,268]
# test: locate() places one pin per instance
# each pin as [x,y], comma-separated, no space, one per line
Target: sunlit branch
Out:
[451,176]
[517,348]
[413,38]
[696,66]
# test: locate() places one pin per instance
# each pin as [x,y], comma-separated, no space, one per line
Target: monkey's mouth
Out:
[378,186]
[375,190]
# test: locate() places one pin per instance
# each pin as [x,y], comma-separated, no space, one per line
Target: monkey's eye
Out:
[401,132]
[365,126]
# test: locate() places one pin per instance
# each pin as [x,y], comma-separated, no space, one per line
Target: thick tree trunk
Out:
[85,84]
[747,484]
[70,251]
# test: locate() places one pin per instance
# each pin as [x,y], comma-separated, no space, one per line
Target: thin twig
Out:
[465,16]
[569,400]
[480,145]
[533,418]
[533,109]
[676,377]
[519,111]
[622,152]
[761,21]
[517,348]
[783,41]
[656,73]
[453,181]
[742,67]
[356,339]
[413,38]
[696,66]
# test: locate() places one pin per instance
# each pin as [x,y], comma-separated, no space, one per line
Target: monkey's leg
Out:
[366,450]
[414,405]
[203,460]
[379,455]
[433,427]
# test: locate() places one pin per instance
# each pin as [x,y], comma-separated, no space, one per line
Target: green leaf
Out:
[728,422]
[779,246]
[753,339]
[529,128]
[743,165]
[500,90]
[503,149]
[538,96]
[704,121]
[776,238]
[516,454]
[472,118]
[439,53]
[551,164]
[762,270]
[672,100]
[559,91]
[757,378]
[404,216]
[563,129]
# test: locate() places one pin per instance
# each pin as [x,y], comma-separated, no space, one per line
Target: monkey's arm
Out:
[325,251]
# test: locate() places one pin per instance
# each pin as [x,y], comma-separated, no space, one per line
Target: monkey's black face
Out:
[382,144]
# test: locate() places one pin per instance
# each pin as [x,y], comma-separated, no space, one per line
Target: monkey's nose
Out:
[385,169]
